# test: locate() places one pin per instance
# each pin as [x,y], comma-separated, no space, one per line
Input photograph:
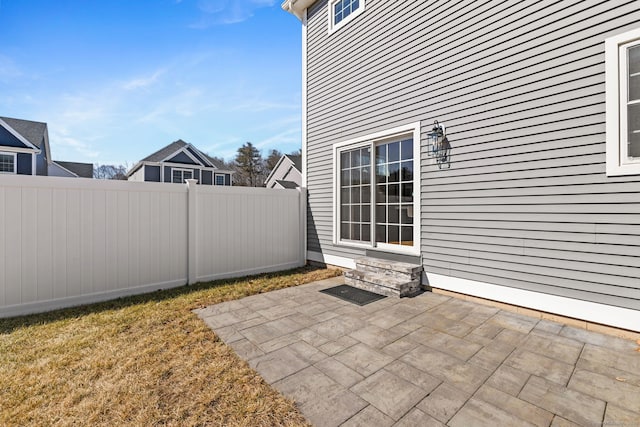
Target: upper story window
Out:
[180,175]
[343,11]
[7,163]
[623,103]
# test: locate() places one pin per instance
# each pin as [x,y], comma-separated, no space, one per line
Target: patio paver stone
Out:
[431,360]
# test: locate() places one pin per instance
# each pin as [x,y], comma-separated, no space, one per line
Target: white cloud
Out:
[63,140]
[225,12]
[143,82]
[286,137]
[190,96]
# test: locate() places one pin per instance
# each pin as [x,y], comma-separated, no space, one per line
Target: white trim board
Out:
[304,100]
[615,166]
[584,310]
[15,162]
[332,28]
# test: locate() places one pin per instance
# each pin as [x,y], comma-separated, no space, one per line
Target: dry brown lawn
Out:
[145,360]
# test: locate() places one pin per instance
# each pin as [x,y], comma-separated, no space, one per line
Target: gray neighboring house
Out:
[177,162]
[24,150]
[287,173]
[537,204]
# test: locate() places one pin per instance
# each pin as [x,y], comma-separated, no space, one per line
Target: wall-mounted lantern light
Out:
[439,146]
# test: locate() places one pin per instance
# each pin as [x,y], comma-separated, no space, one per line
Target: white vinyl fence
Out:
[67,241]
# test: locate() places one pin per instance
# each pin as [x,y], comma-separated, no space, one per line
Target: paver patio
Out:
[431,360]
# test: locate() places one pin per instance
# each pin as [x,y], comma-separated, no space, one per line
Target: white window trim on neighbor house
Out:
[410,130]
[618,162]
[331,15]
[216,176]
[182,173]
[15,159]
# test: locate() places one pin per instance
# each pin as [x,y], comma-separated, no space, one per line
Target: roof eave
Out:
[297,7]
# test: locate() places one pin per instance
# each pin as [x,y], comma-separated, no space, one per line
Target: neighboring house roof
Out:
[297,161]
[287,184]
[294,159]
[168,151]
[34,132]
[82,170]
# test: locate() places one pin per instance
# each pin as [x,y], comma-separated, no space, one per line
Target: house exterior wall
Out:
[278,173]
[56,170]
[520,86]
[285,171]
[207,174]
[139,175]
[294,175]
[41,164]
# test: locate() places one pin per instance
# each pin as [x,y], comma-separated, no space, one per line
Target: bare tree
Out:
[110,172]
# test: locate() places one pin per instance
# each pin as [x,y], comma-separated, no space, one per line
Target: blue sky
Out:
[118,79]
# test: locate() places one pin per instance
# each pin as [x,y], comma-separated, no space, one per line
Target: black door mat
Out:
[353,295]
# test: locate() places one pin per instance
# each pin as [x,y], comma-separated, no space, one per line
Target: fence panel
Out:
[242,231]
[68,241]
[65,241]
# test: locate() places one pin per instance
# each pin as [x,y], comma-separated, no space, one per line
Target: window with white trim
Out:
[219,179]
[623,103]
[7,163]
[178,176]
[343,11]
[376,201]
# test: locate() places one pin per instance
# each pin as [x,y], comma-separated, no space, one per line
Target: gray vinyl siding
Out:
[520,87]
[41,164]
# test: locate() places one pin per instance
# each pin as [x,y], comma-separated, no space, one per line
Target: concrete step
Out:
[395,269]
[382,284]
